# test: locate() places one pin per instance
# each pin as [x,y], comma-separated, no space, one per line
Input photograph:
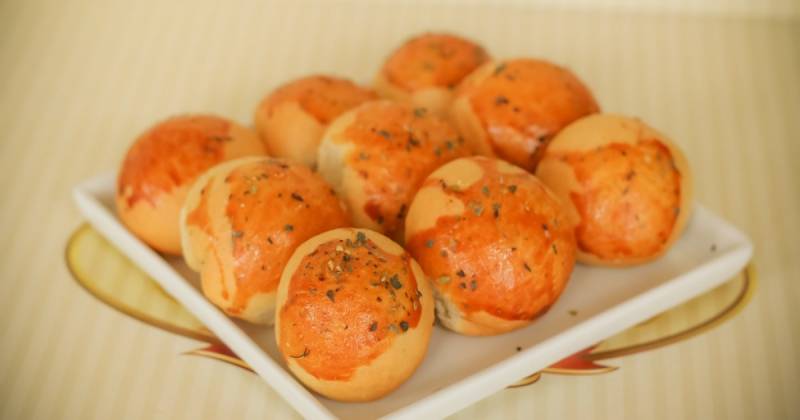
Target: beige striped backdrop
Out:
[78,80]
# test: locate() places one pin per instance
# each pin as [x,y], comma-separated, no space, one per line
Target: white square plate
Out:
[459,370]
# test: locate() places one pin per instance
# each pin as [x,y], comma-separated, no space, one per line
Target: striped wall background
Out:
[79,79]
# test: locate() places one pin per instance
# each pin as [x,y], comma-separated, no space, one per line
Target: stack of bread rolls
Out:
[459,188]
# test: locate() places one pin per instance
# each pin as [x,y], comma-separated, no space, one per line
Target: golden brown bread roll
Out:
[425,70]
[354,314]
[240,224]
[292,118]
[378,154]
[495,243]
[627,188]
[512,108]
[161,165]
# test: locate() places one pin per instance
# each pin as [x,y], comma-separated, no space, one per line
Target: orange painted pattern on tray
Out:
[325,98]
[631,198]
[273,207]
[433,60]
[524,103]
[346,302]
[396,147]
[170,155]
[510,254]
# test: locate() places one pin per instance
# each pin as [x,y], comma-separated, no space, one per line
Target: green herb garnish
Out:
[476,207]
[395,281]
[306,352]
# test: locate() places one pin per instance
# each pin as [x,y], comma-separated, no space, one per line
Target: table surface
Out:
[79,80]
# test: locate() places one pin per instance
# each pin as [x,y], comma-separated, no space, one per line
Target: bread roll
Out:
[425,70]
[242,221]
[292,118]
[495,243]
[512,108]
[161,165]
[378,154]
[354,316]
[627,188]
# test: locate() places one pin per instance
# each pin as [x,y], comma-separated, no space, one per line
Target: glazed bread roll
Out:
[425,70]
[240,224]
[512,108]
[292,118]
[354,315]
[378,154]
[627,188]
[161,165]
[495,243]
